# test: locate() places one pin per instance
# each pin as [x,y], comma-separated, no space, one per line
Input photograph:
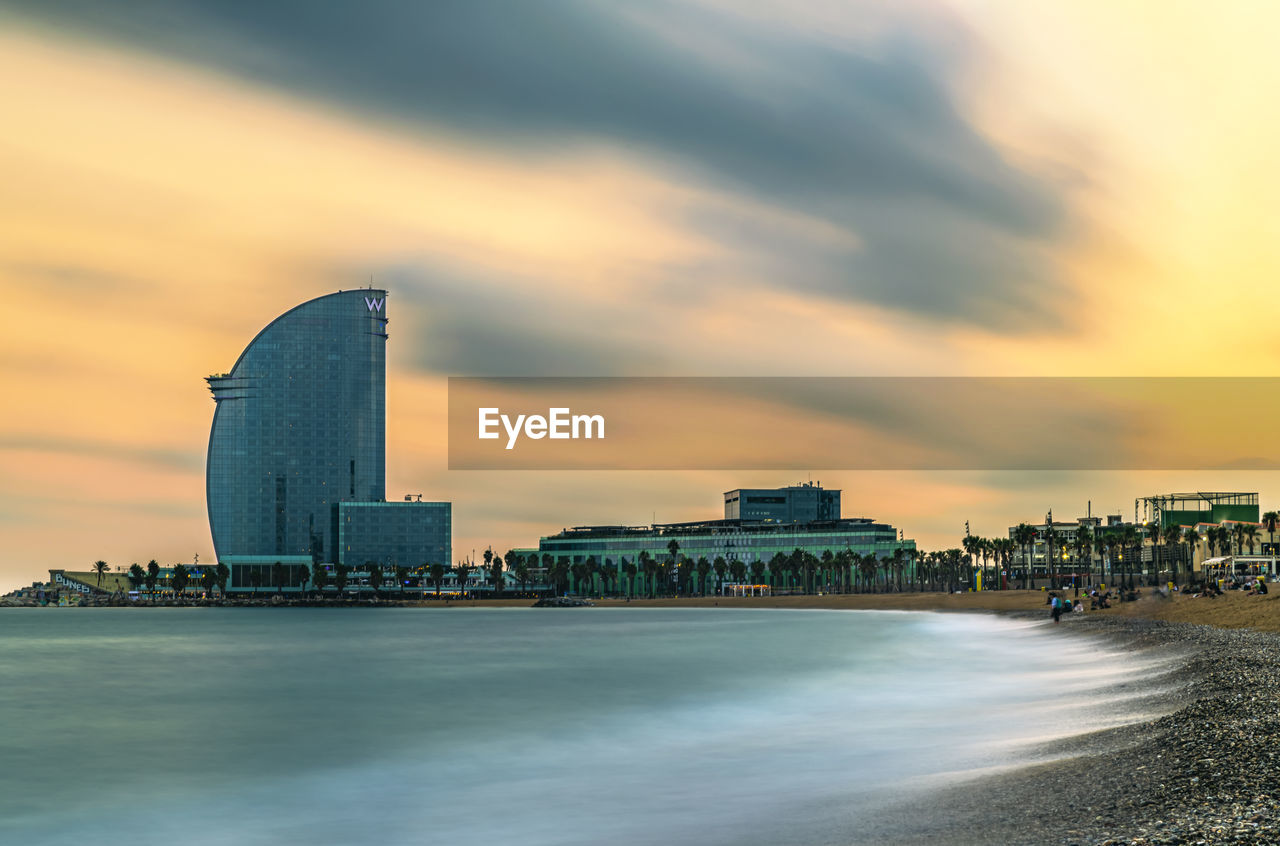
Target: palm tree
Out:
[704,569]
[777,564]
[1009,546]
[1111,540]
[153,576]
[137,576]
[1025,535]
[629,567]
[854,560]
[277,576]
[721,567]
[662,570]
[1172,538]
[1270,521]
[522,572]
[1129,537]
[100,567]
[757,571]
[560,573]
[897,562]
[648,569]
[987,550]
[1153,533]
[826,563]
[341,575]
[1050,545]
[841,567]
[1191,535]
[320,578]
[1250,536]
[402,576]
[178,581]
[673,547]
[869,566]
[255,579]
[461,571]
[304,576]
[495,574]
[223,573]
[737,571]
[1084,548]
[1237,534]
[437,576]
[1224,538]
[208,580]
[547,563]
[970,545]
[609,576]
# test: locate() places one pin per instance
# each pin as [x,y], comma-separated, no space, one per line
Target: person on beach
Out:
[1056,608]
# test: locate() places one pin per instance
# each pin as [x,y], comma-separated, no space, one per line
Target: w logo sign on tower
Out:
[374,303]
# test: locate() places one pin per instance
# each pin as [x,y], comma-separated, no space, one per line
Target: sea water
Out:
[521,726]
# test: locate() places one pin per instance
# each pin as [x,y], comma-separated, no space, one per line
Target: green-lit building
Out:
[730,538]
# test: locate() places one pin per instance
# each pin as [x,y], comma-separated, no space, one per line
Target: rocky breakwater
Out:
[563,602]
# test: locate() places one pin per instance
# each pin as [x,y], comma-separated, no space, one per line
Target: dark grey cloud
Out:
[871,141]
[444,321]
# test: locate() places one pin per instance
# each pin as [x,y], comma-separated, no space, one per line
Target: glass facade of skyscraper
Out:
[394,534]
[300,425]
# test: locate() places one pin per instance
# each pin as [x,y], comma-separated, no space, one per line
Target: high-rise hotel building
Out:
[296,468]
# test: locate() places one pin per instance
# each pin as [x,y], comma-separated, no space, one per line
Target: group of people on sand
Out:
[1059,605]
[1251,587]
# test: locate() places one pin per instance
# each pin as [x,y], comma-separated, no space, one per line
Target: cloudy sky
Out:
[702,188]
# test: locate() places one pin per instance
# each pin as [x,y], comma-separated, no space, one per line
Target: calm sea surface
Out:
[521,726]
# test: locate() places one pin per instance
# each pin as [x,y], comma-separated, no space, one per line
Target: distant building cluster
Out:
[1182,534]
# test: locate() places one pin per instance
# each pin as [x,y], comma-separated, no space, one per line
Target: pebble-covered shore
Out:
[1207,773]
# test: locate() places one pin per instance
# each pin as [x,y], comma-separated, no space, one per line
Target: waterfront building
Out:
[296,466]
[741,539]
[393,534]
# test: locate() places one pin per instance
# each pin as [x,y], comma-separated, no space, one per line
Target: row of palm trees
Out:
[148,578]
[800,571]
[1172,549]
[1116,552]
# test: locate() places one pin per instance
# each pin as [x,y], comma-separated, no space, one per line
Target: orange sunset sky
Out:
[570,188]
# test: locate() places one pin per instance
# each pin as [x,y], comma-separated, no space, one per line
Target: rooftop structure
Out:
[1187,509]
[793,504]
